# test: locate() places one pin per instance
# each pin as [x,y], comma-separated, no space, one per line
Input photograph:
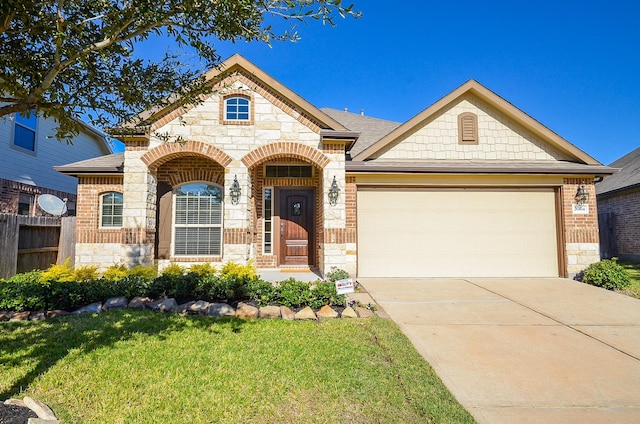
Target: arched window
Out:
[236,108]
[198,220]
[111,210]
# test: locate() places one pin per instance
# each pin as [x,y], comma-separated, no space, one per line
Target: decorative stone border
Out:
[200,307]
[44,413]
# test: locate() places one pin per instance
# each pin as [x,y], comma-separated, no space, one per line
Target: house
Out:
[29,152]
[471,186]
[619,209]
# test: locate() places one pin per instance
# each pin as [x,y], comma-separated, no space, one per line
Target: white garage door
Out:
[457,233]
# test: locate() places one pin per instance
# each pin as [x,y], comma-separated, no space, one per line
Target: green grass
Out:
[145,367]
[633,269]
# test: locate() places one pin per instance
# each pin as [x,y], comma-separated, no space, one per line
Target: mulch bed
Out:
[13,414]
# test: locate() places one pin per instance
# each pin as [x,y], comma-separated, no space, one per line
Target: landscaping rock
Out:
[94,308]
[364,312]
[57,313]
[5,315]
[42,410]
[139,302]
[154,305]
[246,311]
[382,314]
[349,313]
[37,316]
[20,316]
[199,307]
[327,312]
[115,303]
[16,402]
[168,305]
[287,314]
[220,310]
[270,311]
[41,421]
[306,314]
[183,308]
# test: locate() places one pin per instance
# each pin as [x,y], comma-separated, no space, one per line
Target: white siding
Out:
[37,168]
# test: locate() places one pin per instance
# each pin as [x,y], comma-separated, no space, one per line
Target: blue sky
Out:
[572,65]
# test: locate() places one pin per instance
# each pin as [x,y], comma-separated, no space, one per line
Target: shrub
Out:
[324,293]
[203,269]
[293,293]
[86,272]
[174,270]
[63,273]
[115,272]
[24,292]
[246,272]
[608,274]
[144,272]
[337,274]
[262,292]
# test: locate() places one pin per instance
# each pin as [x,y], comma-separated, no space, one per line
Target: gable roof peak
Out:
[492,99]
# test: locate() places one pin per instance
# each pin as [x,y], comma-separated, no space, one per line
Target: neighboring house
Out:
[471,186]
[29,152]
[619,209]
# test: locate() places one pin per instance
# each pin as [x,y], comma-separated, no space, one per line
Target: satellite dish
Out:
[52,204]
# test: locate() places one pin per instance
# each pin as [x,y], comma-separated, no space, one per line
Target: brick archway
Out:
[281,150]
[155,157]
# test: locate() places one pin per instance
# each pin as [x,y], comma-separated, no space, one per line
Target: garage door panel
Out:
[456,233]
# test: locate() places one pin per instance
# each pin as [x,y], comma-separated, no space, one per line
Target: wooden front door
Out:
[296,227]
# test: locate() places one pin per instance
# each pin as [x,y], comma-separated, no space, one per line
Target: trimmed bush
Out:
[324,293]
[337,274]
[608,274]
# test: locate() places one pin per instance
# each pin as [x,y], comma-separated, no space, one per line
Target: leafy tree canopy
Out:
[71,58]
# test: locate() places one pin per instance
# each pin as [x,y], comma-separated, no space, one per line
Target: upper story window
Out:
[467,128]
[24,132]
[111,210]
[237,108]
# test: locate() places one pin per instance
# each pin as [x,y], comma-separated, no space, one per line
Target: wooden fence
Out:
[28,243]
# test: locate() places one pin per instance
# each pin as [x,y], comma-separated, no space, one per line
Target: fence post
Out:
[9,231]
[67,244]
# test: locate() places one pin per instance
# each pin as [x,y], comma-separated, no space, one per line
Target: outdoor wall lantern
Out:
[334,192]
[234,191]
[582,195]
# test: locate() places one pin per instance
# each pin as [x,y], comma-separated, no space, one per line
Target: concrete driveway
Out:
[524,350]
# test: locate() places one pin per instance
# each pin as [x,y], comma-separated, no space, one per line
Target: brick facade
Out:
[625,208]
[10,195]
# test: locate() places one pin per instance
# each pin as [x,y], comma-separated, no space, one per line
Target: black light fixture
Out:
[235,191]
[334,192]
[582,195]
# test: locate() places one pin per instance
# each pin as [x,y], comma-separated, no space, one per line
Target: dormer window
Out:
[467,128]
[237,108]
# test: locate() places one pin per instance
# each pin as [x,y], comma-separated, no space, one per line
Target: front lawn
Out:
[633,269]
[145,367]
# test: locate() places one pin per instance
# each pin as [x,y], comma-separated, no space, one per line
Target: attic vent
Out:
[467,128]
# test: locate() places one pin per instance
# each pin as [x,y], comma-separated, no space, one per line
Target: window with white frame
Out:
[111,210]
[236,108]
[197,220]
[267,215]
[24,132]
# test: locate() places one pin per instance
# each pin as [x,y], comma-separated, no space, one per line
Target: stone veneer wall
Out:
[580,231]
[625,207]
[276,132]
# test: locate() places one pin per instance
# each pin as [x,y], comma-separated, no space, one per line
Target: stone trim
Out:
[285,150]
[155,157]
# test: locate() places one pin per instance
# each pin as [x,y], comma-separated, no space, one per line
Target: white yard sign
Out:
[344,286]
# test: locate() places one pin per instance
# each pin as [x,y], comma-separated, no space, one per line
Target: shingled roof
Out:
[370,129]
[628,177]
[108,164]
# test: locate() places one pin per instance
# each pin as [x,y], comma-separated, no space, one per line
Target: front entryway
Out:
[296,212]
